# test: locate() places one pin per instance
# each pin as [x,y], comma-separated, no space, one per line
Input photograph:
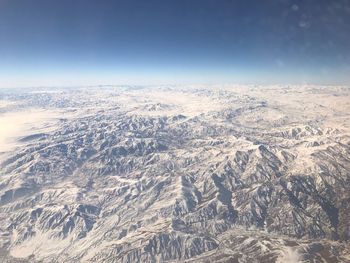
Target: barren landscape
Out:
[175,174]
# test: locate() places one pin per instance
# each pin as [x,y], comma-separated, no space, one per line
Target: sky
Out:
[92,42]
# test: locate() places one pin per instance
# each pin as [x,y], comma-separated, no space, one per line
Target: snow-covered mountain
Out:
[175,174]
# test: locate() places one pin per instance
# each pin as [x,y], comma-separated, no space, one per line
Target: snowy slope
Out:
[197,174]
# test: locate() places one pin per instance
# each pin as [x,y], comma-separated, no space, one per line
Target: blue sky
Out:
[83,42]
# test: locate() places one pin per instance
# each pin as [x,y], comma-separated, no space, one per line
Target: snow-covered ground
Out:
[15,125]
[155,174]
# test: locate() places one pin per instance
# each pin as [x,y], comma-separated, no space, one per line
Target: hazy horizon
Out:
[173,42]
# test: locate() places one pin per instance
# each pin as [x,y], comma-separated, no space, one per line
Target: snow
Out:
[174,173]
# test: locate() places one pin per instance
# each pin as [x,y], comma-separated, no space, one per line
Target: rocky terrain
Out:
[176,174]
